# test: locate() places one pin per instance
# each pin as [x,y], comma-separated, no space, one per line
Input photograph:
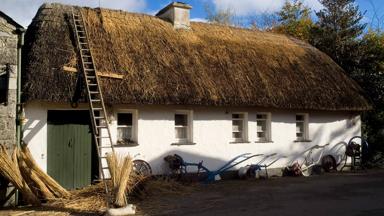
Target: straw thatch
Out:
[207,65]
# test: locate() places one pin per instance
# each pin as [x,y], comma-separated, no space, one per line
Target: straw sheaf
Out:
[207,65]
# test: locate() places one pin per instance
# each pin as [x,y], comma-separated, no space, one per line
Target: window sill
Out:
[263,141]
[302,141]
[240,142]
[131,144]
[183,143]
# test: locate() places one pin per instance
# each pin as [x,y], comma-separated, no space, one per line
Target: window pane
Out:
[124,133]
[124,119]
[181,120]
[299,135]
[236,135]
[261,116]
[181,132]
[237,125]
[299,127]
[261,135]
[261,126]
[237,116]
[299,117]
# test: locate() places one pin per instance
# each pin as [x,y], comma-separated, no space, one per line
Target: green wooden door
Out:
[69,154]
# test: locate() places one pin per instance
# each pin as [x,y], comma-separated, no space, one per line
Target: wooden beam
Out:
[2,202]
[99,73]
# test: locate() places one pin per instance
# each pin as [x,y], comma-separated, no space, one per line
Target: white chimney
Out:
[176,13]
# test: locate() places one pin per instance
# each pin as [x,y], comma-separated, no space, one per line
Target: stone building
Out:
[10,44]
[11,40]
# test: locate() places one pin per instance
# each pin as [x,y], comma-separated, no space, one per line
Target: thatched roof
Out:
[207,65]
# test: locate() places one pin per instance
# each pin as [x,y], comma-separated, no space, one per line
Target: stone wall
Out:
[8,62]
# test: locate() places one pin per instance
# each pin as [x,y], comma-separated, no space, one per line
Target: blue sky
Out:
[23,10]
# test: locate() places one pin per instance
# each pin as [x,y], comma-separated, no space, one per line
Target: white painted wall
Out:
[212,128]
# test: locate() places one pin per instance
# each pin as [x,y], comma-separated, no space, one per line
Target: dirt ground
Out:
[360,194]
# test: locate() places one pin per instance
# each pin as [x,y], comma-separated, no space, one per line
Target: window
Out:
[4,82]
[183,126]
[301,127]
[239,127]
[125,128]
[263,127]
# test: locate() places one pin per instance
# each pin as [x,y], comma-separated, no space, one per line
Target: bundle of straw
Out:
[32,178]
[122,177]
[40,177]
[9,169]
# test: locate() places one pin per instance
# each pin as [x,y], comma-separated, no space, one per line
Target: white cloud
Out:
[247,7]
[199,20]
[22,11]
[313,4]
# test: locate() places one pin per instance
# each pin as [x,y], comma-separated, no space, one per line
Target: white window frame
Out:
[189,126]
[244,135]
[134,126]
[305,132]
[268,132]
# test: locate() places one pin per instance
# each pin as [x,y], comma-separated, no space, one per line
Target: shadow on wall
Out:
[159,165]
[31,128]
[337,141]
[295,151]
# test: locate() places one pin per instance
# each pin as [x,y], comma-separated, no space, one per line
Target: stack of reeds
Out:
[9,169]
[24,173]
[50,188]
[123,177]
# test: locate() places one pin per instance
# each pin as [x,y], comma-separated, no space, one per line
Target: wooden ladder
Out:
[99,118]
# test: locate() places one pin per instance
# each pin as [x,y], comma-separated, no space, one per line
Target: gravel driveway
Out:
[338,194]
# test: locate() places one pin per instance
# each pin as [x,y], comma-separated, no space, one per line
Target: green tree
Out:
[337,32]
[370,75]
[295,20]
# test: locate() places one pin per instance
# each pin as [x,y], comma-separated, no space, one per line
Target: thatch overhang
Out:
[207,65]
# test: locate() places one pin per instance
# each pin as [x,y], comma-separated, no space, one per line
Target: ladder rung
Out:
[94,95]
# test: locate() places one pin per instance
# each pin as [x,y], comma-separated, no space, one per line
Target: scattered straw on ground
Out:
[89,199]
[162,187]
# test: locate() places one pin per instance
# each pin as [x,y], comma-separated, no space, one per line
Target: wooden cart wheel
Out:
[142,167]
